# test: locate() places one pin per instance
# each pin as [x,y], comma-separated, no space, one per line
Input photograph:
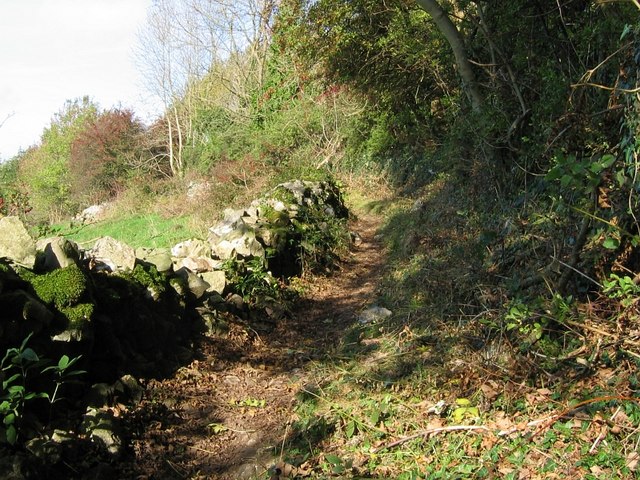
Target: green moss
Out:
[285,195]
[148,277]
[63,287]
[78,315]
[179,285]
[25,274]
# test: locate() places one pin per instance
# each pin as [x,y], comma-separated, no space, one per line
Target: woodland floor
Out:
[228,413]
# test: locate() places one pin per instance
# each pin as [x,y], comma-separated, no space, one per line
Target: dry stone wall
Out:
[136,312]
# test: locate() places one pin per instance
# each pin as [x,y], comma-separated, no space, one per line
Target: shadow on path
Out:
[226,415]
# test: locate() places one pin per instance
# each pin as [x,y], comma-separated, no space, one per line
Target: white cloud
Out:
[55,50]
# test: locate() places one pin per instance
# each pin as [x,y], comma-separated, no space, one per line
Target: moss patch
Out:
[64,287]
[78,315]
[148,277]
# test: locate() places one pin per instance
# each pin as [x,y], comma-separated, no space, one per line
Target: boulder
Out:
[92,213]
[117,256]
[103,429]
[16,244]
[232,221]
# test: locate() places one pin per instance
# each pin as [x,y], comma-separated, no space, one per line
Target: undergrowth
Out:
[474,375]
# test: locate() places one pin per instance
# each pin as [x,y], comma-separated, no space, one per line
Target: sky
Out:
[55,50]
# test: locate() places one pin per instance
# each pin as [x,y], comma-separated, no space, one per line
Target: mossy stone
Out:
[63,288]
[148,277]
[78,315]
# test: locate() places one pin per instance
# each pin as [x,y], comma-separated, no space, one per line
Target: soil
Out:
[228,413]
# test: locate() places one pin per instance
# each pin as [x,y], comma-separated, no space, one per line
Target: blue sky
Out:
[54,50]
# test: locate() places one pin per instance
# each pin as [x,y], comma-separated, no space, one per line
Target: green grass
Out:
[138,230]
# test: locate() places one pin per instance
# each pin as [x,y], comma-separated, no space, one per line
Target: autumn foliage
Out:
[101,154]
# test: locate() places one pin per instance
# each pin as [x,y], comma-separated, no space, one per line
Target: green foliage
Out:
[62,375]
[323,237]
[148,277]
[250,279]
[17,367]
[102,155]
[14,199]
[623,289]
[78,315]
[45,168]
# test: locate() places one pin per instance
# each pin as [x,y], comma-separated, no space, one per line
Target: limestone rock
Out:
[25,305]
[197,286]
[191,248]
[92,213]
[74,335]
[217,281]
[373,314]
[232,221]
[128,389]
[103,429]
[15,242]
[197,264]
[158,257]
[59,252]
[118,256]
[241,241]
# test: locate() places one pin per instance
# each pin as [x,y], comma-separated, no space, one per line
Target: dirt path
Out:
[225,415]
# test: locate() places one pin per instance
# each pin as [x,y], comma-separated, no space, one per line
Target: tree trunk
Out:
[453,36]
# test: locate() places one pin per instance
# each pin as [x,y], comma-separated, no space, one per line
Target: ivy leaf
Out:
[217,428]
[611,243]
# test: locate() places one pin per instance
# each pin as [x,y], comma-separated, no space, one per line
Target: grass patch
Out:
[137,230]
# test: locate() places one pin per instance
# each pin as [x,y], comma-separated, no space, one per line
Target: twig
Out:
[570,410]
[175,467]
[603,432]
[203,450]
[579,272]
[430,431]
[7,118]
[607,88]
[599,438]
[604,333]
[541,423]
[533,423]
[284,439]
